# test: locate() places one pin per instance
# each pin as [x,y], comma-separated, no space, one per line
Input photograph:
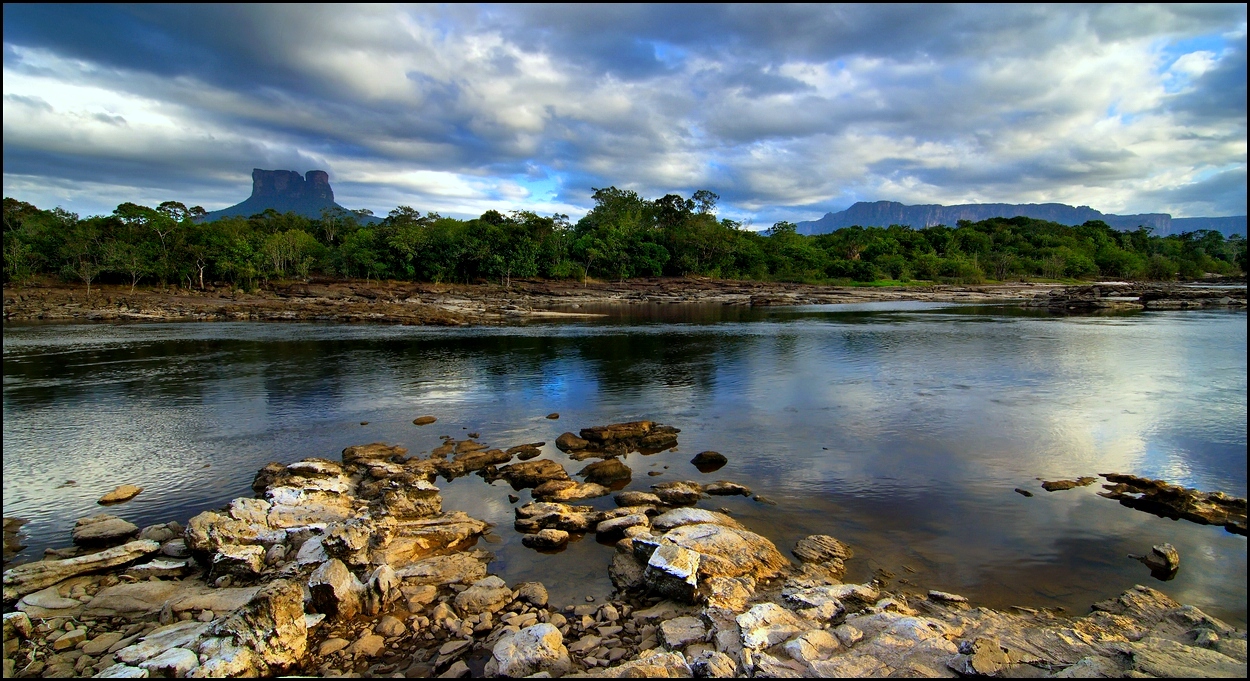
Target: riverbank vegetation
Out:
[625,235]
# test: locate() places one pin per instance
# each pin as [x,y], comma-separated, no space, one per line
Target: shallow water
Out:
[900,428]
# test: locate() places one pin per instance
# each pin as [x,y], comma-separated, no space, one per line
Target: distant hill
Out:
[886,213]
[286,191]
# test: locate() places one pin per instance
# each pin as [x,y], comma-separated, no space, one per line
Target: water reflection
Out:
[902,430]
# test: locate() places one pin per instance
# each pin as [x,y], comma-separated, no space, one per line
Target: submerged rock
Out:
[1174,501]
[547,539]
[1058,485]
[531,473]
[606,472]
[569,490]
[707,462]
[120,494]
[424,420]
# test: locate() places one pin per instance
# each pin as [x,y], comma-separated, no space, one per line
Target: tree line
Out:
[624,235]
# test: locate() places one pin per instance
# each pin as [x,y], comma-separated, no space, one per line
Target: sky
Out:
[786,112]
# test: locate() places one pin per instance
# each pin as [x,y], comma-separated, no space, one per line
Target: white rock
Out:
[535,649]
[122,671]
[766,625]
[175,663]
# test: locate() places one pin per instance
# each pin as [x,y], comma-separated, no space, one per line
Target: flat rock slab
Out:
[103,529]
[31,577]
[122,493]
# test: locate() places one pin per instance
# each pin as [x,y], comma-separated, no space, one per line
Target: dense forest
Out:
[623,236]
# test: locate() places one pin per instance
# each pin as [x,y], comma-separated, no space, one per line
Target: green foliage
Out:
[624,235]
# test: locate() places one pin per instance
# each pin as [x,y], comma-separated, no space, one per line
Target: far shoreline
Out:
[427,304]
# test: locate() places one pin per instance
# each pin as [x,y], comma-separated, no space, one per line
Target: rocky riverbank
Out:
[454,305]
[352,567]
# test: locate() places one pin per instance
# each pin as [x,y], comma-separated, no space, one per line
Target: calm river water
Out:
[901,429]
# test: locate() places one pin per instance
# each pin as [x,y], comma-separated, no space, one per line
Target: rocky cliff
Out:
[286,191]
[885,213]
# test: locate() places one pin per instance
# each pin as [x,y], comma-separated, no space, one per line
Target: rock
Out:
[103,530]
[679,517]
[985,657]
[652,664]
[534,649]
[1023,492]
[102,643]
[546,539]
[811,646]
[1163,558]
[241,561]
[335,590]
[122,671]
[682,631]
[332,645]
[533,593]
[490,594]
[1173,501]
[458,669]
[409,496]
[389,627]
[177,635]
[944,597]
[625,572]
[173,663]
[683,493]
[161,532]
[636,498]
[531,473]
[606,472]
[122,493]
[727,552]
[621,523]
[725,488]
[823,550]
[730,593]
[162,569]
[176,548]
[713,664]
[568,442]
[1057,485]
[672,570]
[464,567]
[30,577]
[272,625]
[424,420]
[417,597]
[767,624]
[848,635]
[46,599]
[707,462]
[70,639]
[553,415]
[368,645]
[569,490]
[381,589]
[474,461]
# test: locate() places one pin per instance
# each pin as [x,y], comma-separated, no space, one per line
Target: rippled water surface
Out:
[901,429]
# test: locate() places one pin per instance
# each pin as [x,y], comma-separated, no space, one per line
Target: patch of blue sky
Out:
[1170,52]
[544,187]
[671,56]
[1126,117]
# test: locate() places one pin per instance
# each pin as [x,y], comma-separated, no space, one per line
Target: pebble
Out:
[590,599]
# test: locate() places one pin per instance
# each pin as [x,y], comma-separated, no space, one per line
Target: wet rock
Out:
[548,539]
[606,472]
[424,420]
[31,577]
[1173,501]
[621,523]
[709,461]
[679,517]
[489,594]
[12,537]
[682,631]
[531,473]
[636,498]
[1163,558]
[1023,492]
[474,461]
[120,494]
[103,530]
[1058,485]
[683,493]
[569,490]
[534,649]
[335,590]
[725,488]
[568,442]
[824,550]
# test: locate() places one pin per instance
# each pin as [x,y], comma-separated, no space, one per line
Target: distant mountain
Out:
[886,213]
[286,191]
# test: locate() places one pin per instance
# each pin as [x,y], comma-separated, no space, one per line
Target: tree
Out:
[82,250]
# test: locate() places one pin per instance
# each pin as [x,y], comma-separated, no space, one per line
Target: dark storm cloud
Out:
[779,108]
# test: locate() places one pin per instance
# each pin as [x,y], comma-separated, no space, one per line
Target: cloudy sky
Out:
[786,112]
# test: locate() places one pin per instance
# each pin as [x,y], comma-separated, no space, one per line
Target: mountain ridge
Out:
[886,213]
[286,191]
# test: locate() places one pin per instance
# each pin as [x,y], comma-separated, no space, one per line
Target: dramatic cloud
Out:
[786,112]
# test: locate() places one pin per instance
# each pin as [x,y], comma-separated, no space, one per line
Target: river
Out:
[900,428]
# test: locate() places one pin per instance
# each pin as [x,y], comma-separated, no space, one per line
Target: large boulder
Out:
[272,624]
[535,649]
[335,590]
